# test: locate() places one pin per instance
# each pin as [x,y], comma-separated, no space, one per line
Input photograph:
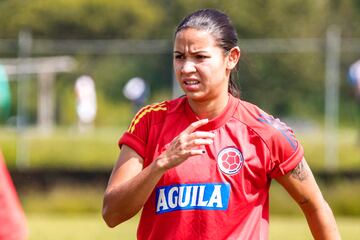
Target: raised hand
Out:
[188,143]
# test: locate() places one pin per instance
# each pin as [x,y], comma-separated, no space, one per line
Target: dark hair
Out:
[220,27]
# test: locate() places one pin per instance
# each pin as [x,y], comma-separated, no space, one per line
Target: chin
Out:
[196,96]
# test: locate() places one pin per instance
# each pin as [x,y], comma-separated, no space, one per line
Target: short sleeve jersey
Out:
[223,193]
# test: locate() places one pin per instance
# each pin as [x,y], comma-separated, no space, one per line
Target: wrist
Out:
[159,165]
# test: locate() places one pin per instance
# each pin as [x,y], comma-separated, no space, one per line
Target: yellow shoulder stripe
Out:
[138,113]
[143,109]
[150,108]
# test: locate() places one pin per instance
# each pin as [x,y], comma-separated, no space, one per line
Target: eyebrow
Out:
[196,52]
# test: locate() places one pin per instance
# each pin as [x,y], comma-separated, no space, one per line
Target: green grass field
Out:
[73,212]
[69,148]
[91,227]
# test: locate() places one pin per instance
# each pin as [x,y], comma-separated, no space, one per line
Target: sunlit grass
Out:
[296,228]
[348,148]
[69,148]
[342,196]
[72,198]
[64,198]
[91,227]
[77,227]
[74,212]
[63,147]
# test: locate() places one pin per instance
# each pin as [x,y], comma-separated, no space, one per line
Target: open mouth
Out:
[191,82]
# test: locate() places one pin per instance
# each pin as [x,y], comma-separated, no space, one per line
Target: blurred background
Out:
[74,72]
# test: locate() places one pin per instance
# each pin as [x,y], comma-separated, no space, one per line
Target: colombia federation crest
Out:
[230,160]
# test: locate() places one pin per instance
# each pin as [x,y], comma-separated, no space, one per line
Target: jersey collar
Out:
[216,122]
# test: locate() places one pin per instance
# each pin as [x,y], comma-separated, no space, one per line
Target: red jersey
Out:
[13,223]
[224,193]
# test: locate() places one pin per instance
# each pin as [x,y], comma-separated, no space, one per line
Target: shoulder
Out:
[154,113]
[284,150]
[268,128]
[250,115]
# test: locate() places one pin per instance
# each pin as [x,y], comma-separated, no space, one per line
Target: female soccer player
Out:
[200,166]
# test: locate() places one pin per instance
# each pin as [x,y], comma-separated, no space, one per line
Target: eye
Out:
[179,56]
[201,57]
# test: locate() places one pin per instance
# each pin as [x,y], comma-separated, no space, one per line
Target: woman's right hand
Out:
[188,143]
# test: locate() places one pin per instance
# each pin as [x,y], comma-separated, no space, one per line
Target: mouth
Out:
[191,82]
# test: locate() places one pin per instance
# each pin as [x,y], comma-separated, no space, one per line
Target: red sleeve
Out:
[285,150]
[284,156]
[133,142]
[137,134]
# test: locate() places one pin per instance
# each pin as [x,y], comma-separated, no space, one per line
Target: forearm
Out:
[321,222]
[124,200]
[301,185]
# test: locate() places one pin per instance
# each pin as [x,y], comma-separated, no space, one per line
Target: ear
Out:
[233,57]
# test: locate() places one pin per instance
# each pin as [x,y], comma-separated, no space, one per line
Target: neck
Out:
[209,108]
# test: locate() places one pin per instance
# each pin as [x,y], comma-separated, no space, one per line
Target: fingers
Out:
[194,152]
[201,134]
[199,142]
[193,126]
[188,143]
[190,139]
[185,144]
[199,138]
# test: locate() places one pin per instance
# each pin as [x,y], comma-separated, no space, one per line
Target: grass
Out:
[336,194]
[62,148]
[73,227]
[77,199]
[69,148]
[282,227]
[348,148]
[91,227]
[73,212]
[63,199]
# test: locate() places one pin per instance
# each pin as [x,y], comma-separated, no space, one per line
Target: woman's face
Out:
[200,66]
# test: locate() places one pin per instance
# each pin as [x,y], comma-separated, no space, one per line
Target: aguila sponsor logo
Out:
[206,196]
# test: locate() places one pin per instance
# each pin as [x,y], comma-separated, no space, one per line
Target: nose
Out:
[188,67]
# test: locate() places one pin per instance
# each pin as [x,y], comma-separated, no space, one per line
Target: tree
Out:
[80,18]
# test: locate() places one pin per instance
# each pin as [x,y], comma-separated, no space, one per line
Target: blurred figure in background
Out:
[13,224]
[137,91]
[5,97]
[354,78]
[86,106]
